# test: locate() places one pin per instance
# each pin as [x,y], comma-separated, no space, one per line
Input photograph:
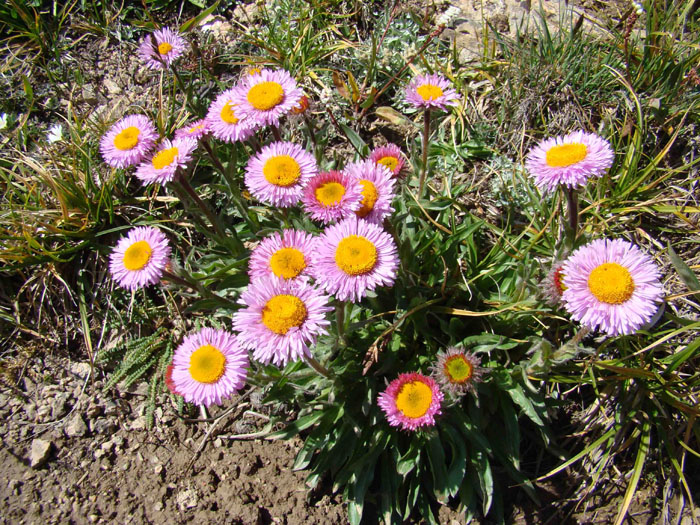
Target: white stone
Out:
[187,499]
[39,453]
[76,427]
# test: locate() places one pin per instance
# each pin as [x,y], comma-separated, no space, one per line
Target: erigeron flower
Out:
[139,259]
[208,367]
[377,190]
[169,45]
[411,401]
[194,130]
[569,160]
[611,285]
[288,255]
[128,141]
[281,319]
[353,257]
[331,196]
[225,120]
[458,371]
[278,173]
[431,92]
[164,163]
[266,96]
[389,156]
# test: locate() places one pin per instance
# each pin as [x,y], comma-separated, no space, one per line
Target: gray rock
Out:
[139,423]
[187,499]
[39,453]
[76,427]
[59,406]
[80,369]
[111,86]
[102,426]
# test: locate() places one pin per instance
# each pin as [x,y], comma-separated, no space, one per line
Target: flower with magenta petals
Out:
[281,320]
[278,173]
[569,160]
[611,285]
[225,120]
[353,257]
[165,162]
[377,190]
[389,156]
[168,46]
[431,92]
[128,141]
[266,96]
[139,259]
[411,401]
[194,130]
[287,256]
[331,196]
[208,367]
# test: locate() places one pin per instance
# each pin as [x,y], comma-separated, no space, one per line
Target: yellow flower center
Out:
[369,198]
[227,114]
[164,158]
[253,71]
[566,154]
[283,312]
[458,369]
[287,263]
[429,92]
[414,399]
[137,255]
[195,129]
[389,162]
[330,193]
[265,95]
[356,255]
[611,283]
[127,138]
[281,170]
[207,364]
[165,48]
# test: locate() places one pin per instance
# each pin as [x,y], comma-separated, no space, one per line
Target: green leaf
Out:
[297,426]
[359,144]
[458,462]
[436,456]
[194,22]
[686,274]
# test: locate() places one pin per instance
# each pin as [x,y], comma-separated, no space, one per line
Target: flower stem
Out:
[318,367]
[276,133]
[202,205]
[340,320]
[573,210]
[426,135]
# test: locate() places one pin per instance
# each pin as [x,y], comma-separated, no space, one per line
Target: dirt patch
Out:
[103,466]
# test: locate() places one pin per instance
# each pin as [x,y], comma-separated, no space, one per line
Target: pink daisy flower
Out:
[281,319]
[431,92]
[552,286]
[353,257]
[612,286]
[458,371]
[331,195]
[569,160]
[128,141]
[165,162]
[278,173]
[411,401]
[389,156]
[169,44]
[208,367]
[377,190]
[287,256]
[266,96]
[194,130]
[139,259]
[226,122]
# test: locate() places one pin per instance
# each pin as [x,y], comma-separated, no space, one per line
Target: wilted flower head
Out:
[458,371]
